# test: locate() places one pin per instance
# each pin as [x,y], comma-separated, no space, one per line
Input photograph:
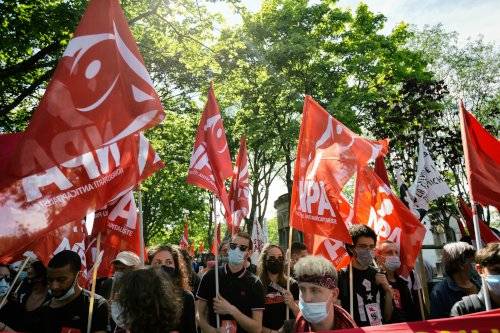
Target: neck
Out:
[273,277]
[391,276]
[39,288]
[235,268]
[461,278]
[325,325]
[357,265]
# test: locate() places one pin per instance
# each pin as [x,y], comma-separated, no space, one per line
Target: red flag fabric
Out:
[210,162]
[381,171]
[216,240]
[378,207]
[67,192]
[487,235]
[482,160]
[201,248]
[184,242]
[328,154]
[239,192]
[118,224]
[331,249]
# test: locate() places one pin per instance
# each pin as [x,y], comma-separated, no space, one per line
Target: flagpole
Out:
[351,301]
[94,279]
[214,203]
[475,218]
[4,299]
[423,293]
[141,226]
[289,254]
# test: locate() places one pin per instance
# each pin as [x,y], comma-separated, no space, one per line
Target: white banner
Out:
[259,240]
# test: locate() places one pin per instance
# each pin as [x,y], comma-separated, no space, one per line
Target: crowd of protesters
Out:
[172,292]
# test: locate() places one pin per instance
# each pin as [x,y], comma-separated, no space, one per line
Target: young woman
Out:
[168,259]
[271,271]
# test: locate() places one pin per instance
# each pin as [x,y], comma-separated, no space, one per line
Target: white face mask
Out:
[117,314]
[236,257]
[392,263]
[314,313]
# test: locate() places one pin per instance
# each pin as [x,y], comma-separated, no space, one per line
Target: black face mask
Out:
[274,266]
[171,271]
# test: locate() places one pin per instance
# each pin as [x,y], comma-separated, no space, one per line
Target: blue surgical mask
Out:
[493,282]
[364,256]
[314,313]
[392,263]
[236,256]
[4,287]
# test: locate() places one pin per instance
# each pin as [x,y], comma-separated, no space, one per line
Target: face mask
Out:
[69,293]
[392,263]
[235,257]
[117,275]
[117,314]
[4,287]
[313,312]
[171,271]
[493,282]
[274,266]
[364,256]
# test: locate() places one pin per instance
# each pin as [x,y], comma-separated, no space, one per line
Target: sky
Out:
[470,18]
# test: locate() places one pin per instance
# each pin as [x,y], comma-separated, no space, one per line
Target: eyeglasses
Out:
[242,248]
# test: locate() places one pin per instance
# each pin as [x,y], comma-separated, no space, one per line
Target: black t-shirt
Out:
[275,307]
[368,297]
[242,289]
[188,318]
[405,308]
[75,315]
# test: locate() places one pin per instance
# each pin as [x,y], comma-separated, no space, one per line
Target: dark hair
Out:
[188,264]
[64,258]
[183,278]
[40,270]
[245,235]
[455,255]
[297,247]
[149,301]
[357,231]
[489,255]
[262,269]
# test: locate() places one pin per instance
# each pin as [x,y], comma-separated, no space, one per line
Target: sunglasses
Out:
[242,248]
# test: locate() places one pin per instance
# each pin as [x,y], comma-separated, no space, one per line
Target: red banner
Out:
[210,162]
[184,242]
[328,154]
[239,192]
[378,207]
[487,235]
[482,160]
[481,322]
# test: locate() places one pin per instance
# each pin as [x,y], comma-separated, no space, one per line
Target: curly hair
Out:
[182,280]
[149,301]
[262,269]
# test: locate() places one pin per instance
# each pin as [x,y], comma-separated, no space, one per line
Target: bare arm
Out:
[251,325]
[202,317]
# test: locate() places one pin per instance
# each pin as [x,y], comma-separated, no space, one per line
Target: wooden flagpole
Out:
[141,225]
[94,279]
[423,293]
[289,255]
[351,291]
[4,299]
[214,203]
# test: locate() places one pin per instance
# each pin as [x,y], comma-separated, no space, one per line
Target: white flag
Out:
[259,239]
[429,184]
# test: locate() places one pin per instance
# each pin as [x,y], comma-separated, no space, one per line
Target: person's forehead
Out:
[60,271]
[275,252]
[363,240]
[241,240]
[163,255]
[4,271]
[388,247]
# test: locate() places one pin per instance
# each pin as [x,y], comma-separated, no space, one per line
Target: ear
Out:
[335,295]
[479,269]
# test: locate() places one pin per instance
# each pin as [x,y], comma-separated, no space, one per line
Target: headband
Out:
[326,281]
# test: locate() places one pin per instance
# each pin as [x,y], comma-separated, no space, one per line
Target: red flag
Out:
[28,209]
[118,224]
[210,162]
[327,157]
[201,248]
[239,191]
[378,207]
[482,160]
[184,242]
[487,235]
[381,171]
[216,240]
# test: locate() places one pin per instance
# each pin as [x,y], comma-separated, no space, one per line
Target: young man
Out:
[240,302]
[297,251]
[372,295]
[125,261]
[317,279]
[488,266]
[69,307]
[406,307]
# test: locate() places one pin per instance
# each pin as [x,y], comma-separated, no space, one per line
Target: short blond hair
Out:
[314,266]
